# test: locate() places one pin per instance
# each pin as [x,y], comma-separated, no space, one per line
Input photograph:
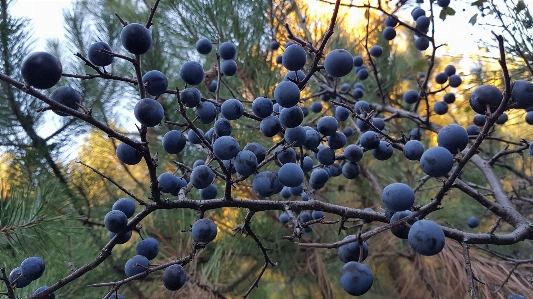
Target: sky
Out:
[46,15]
[461,36]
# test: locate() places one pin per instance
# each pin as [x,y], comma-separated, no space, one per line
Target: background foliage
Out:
[53,206]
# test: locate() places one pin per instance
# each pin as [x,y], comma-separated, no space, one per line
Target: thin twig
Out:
[469,274]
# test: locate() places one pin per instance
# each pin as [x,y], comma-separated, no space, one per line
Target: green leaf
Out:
[448,11]
[473,19]
[467,109]
[520,6]
[478,3]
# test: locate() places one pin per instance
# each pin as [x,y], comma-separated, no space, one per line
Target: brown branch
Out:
[152,13]
[140,201]
[268,261]
[469,273]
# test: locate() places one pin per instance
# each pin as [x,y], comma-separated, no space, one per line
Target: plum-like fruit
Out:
[522,92]
[287,94]
[228,67]
[226,147]
[136,38]
[202,176]
[127,154]
[16,275]
[376,51]
[42,289]
[135,265]
[174,277]
[483,96]
[167,182]
[191,97]
[148,247]
[155,82]
[291,175]
[149,112]
[413,150]
[398,197]
[115,221]
[126,205]
[453,137]
[174,142]
[350,252]
[402,231]
[41,70]
[192,73]
[204,230]
[66,96]
[356,278]
[472,222]
[204,46]
[294,57]
[227,50]
[436,161]
[266,183]
[97,57]
[426,237]
[338,63]
[262,107]
[32,268]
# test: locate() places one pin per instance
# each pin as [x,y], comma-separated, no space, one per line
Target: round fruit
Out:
[483,96]
[522,92]
[66,96]
[149,112]
[350,252]
[398,197]
[356,278]
[402,231]
[287,94]
[156,83]
[41,70]
[42,289]
[32,268]
[413,150]
[232,109]
[174,142]
[148,247]
[115,221]
[436,161]
[127,154]
[266,183]
[228,67]
[227,50]
[338,63]
[294,57]
[202,176]
[453,138]
[204,46]
[174,277]
[97,57]
[204,230]
[389,33]
[472,222]
[426,237]
[262,107]
[209,193]
[126,205]
[135,265]
[136,38]
[376,51]
[192,73]
[21,281]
